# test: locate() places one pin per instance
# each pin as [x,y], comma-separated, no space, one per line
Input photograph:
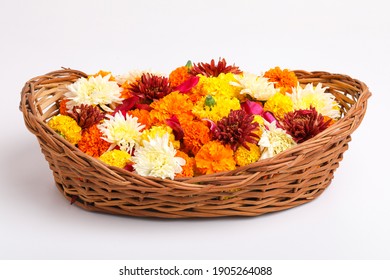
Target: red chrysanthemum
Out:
[304,124]
[236,129]
[213,70]
[151,87]
[86,115]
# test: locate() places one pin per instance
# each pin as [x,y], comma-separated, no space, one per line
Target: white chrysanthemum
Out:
[315,96]
[274,140]
[94,91]
[132,76]
[258,87]
[121,131]
[156,158]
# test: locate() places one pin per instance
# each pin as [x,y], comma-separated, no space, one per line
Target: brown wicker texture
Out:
[289,179]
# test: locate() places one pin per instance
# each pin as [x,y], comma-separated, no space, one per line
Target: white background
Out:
[350,220]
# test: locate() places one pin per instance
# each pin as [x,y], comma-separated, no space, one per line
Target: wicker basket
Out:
[289,179]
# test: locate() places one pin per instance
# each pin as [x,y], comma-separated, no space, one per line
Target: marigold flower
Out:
[66,127]
[284,79]
[243,156]
[189,167]
[223,106]
[220,86]
[279,105]
[103,74]
[143,117]
[196,134]
[174,103]
[63,108]
[157,117]
[214,157]
[116,158]
[92,143]
[179,76]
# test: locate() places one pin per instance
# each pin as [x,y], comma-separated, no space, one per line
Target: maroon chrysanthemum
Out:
[213,70]
[86,115]
[236,129]
[304,124]
[151,87]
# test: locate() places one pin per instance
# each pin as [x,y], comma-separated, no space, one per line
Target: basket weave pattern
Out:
[289,179]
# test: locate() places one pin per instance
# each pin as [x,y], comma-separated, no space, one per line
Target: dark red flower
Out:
[304,124]
[213,70]
[86,115]
[151,87]
[236,129]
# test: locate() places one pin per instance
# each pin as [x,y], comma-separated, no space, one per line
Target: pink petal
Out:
[252,108]
[186,86]
[127,105]
[174,123]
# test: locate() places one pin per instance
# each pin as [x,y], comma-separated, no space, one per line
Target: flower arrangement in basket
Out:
[206,140]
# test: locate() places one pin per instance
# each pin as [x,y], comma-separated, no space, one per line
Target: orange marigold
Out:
[188,168]
[91,142]
[143,117]
[63,109]
[196,134]
[214,157]
[157,117]
[103,74]
[179,76]
[185,117]
[126,89]
[331,121]
[284,79]
[174,103]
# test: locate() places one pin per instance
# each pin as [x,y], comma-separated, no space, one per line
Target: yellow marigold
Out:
[174,103]
[215,157]
[259,119]
[196,134]
[116,158]
[221,108]
[217,86]
[142,115]
[92,143]
[179,76]
[279,104]
[284,79]
[188,168]
[66,127]
[243,157]
[160,130]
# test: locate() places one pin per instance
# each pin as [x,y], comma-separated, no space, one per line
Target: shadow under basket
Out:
[289,179]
